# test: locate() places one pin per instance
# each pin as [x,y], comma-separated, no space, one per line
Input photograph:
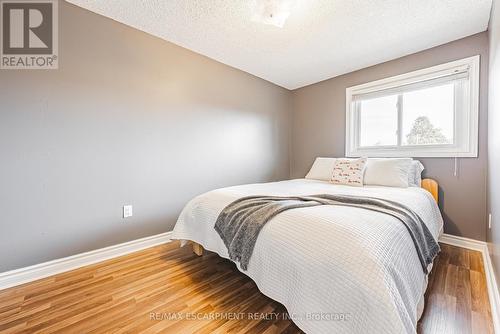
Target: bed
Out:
[336,269]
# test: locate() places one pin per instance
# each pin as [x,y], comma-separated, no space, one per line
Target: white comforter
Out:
[336,269]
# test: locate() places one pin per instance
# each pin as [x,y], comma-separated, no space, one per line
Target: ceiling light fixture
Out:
[273,12]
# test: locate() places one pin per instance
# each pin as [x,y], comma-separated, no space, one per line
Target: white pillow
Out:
[349,172]
[390,172]
[415,173]
[321,169]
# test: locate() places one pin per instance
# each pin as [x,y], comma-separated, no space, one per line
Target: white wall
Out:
[494,137]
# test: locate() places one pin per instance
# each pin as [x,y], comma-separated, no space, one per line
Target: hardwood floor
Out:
[169,289]
[457,296]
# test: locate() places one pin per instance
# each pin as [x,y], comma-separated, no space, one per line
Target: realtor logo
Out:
[29,34]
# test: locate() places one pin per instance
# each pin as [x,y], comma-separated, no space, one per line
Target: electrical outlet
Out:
[127,211]
[489,221]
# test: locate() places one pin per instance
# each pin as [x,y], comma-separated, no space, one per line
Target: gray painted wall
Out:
[132,119]
[127,119]
[494,138]
[318,129]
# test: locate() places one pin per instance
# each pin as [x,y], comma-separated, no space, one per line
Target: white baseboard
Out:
[28,274]
[463,242]
[491,282]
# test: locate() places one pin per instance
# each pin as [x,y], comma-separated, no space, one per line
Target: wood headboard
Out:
[431,186]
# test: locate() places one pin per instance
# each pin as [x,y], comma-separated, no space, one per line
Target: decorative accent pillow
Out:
[321,169]
[349,172]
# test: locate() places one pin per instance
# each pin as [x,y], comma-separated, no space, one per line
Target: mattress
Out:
[336,269]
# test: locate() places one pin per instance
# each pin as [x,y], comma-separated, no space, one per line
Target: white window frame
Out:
[466,113]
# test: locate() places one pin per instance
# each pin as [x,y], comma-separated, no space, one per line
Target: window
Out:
[426,113]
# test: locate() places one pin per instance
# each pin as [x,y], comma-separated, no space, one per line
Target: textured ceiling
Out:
[321,38]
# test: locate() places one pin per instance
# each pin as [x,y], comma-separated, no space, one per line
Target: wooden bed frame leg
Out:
[197,249]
